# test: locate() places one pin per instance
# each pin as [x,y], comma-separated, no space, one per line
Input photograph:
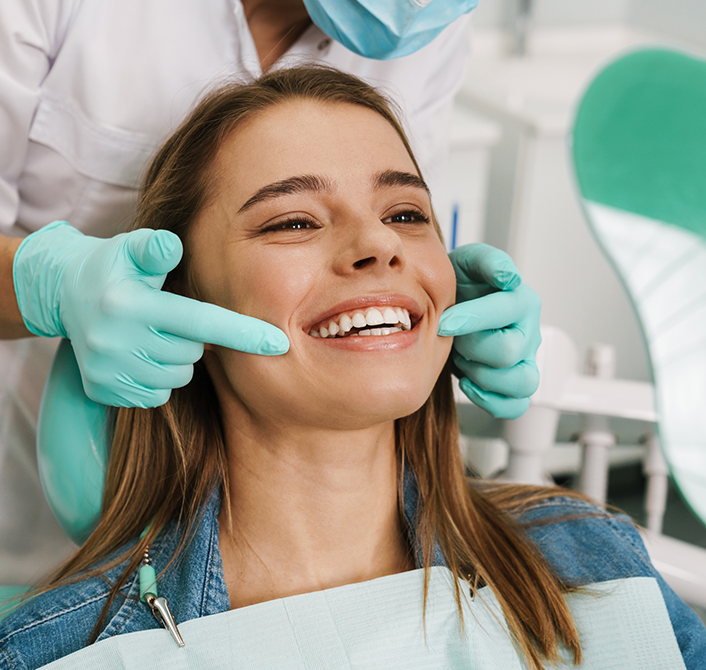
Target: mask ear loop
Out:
[149,594]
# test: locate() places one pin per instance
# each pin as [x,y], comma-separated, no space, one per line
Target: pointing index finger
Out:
[205,322]
[496,310]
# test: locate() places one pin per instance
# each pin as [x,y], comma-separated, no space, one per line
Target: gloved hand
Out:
[496,326]
[134,343]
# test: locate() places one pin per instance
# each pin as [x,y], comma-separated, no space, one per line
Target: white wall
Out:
[499,13]
[563,12]
[681,20]
[493,14]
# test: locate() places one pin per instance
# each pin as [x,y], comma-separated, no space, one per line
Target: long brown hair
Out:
[171,458]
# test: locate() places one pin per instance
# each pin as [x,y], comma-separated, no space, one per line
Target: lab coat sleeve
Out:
[31,32]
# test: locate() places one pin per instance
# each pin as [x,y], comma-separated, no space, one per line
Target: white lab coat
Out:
[88,90]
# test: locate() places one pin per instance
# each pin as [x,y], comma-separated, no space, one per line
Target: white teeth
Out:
[345,323]
[373,317]
[395,320]
[403,315]
[358,320]
[390,315]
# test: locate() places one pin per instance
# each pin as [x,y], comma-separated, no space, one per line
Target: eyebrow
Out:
[390,178]
[311,183]
[302,184]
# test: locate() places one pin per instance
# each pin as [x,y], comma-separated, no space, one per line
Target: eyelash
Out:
[416,215]
[295,223]
[303,223]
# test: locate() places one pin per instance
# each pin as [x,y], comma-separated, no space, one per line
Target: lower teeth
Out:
[376,332]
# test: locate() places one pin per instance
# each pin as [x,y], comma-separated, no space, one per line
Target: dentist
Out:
[87,92]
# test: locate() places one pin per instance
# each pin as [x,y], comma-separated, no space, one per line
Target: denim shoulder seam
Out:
[618,526]
[565,501]
[44,620]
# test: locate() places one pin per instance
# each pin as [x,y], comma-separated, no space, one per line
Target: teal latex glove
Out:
[134,343]
[496,326]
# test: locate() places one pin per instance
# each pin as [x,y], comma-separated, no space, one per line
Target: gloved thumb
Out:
[154,252]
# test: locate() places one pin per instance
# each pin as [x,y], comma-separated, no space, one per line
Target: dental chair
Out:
[639,153]
[638,150]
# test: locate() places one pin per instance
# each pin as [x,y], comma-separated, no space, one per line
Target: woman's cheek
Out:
[440,279]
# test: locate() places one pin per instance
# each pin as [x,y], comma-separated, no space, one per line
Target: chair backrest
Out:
[639,152]
[72,447]
[10,598]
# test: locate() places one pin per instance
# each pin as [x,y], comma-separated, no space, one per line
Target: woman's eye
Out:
[407,216]
[290,224]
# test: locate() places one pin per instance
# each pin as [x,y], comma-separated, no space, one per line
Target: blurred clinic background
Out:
[510,184]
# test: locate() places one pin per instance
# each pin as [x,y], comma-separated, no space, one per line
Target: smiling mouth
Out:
[371,322]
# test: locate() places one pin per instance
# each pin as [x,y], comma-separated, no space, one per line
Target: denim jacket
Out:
[582,543]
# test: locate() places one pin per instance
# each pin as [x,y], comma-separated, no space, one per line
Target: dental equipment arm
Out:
[134,343]
[496,326]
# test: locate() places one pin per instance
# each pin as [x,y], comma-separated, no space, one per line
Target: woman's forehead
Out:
[341,142]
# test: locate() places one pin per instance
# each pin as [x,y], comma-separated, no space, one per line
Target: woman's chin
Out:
[371,408]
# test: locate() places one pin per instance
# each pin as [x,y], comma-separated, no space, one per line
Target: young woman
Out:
[298,201]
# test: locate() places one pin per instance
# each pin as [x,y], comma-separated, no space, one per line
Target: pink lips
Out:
[379,342]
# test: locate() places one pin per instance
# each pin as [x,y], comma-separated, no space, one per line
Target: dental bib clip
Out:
[149,595]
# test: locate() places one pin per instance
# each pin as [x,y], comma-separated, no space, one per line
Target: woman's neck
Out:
[310,510]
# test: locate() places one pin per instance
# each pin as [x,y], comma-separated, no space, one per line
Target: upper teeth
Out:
[393,320]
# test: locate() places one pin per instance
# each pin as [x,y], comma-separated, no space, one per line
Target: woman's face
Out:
[319,224]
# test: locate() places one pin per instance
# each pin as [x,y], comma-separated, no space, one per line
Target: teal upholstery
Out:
[72,456]
[640,135]
[9,598]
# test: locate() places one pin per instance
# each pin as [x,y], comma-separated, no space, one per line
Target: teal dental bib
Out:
[378,625]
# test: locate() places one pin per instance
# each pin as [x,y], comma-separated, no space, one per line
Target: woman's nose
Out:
[370,245]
